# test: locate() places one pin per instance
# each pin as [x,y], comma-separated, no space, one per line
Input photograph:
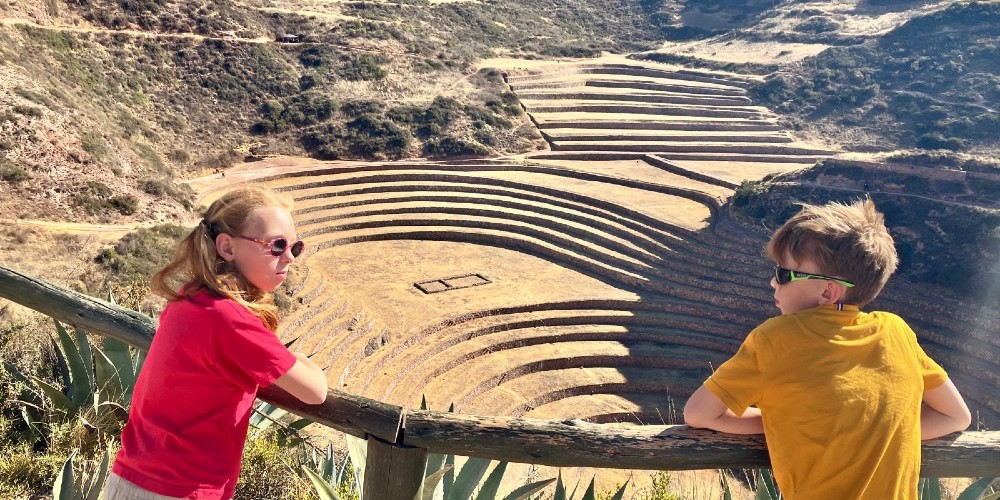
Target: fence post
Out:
[393,472]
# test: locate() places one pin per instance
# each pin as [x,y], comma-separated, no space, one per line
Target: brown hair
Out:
[846,241]
[198,264]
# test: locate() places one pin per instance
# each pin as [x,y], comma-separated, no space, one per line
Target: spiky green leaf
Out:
[529,489]
[468,478]
[59,400]
[357,449]
[323,488]
[620,493]
[97,480]
[62,488]
[81,377]
[120,355]
[976,489]
[590,493]
[426,491]
[560,493]
[492,484]
[727,494]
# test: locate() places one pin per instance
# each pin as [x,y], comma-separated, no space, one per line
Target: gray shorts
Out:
[117,488]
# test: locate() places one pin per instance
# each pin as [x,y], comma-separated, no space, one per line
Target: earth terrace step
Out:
[599,155]
[296,328]
[319,328]
[591,231]
[444,358]
[708,200]
[916,304]
[565,135]
[645,98]
[579,238]
[605,235]
[669,315]
[666,87]
[490,370]
[621,408]
[522,395]
[363,175]
[687,126]
[669,147]
[724,81]
[630,85]
[546,106]
[573,254]
[310,191]
[343,177]
[674,168]
[318,213]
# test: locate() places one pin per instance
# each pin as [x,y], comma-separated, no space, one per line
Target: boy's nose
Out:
[774,283]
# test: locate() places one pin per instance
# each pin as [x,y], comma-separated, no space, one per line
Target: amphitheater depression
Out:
[598,280]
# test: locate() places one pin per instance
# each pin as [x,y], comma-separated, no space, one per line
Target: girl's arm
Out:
[305,381]
[944,411]
[706,410]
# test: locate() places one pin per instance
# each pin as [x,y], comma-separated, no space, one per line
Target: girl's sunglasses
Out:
[279,245]
[783,276]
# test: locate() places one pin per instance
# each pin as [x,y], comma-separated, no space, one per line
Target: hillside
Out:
[901,90]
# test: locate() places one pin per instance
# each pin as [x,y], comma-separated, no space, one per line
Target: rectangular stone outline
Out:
[435,286]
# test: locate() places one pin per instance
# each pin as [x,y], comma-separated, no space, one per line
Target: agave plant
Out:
[267,416]
[98,381]
[71,486]
[589,494]
[982,489]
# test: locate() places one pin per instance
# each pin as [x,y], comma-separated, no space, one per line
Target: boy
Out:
[838,392]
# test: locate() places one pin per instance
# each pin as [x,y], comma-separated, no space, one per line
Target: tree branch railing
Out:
[558,443]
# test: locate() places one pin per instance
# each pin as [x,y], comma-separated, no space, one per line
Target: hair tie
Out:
[209,229]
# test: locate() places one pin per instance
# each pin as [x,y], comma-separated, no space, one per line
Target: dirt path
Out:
[24,22]
[105,231]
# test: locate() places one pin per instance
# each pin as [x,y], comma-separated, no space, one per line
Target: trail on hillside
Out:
[72,29]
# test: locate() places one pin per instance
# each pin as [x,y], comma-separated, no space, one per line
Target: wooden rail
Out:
[394,432]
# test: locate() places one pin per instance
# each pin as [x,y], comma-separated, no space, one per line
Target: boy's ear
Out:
[833,293]
[224,247]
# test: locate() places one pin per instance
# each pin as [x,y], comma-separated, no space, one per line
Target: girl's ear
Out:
[224,247]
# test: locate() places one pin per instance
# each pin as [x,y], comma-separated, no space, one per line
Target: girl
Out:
[214,347]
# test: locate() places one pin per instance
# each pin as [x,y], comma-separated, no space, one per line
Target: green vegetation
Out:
[94,144]
[97,198]
[299,111]
[12,174]
[907,91]
[140,254]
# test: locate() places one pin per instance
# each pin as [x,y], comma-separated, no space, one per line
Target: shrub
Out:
[302,110]
[13,174]
[140,254]
[454,146]
[94,144]
[363,67]
[935,140]
[32,111]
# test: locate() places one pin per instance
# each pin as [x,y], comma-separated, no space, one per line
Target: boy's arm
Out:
[706,410]
[944,411]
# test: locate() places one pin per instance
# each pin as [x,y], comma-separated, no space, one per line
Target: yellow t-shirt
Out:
[840,395]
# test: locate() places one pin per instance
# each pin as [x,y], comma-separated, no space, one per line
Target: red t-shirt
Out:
[193,399]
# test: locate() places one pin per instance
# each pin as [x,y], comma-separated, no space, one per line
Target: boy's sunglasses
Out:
[279,245]
[783,276]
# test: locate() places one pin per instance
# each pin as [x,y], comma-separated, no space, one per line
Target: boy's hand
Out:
[705,410]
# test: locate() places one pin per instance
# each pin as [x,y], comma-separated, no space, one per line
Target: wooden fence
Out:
[400,438]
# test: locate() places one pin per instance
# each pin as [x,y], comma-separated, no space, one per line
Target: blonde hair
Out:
[848,241]
[200,267]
